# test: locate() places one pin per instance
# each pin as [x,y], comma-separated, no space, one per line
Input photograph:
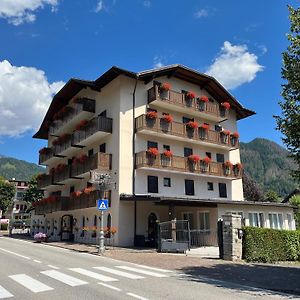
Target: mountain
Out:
[269,165]
[18,169]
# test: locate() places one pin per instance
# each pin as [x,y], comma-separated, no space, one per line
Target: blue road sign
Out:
[102,204]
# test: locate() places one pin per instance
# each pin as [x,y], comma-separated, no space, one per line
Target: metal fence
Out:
[201,238]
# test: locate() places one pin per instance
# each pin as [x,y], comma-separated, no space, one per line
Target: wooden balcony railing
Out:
[44,180]
[83,105]
[62,175]
[59,203]
[180,130]
[99,160]
[45,155]
[97,124]
[182,164]
[180,100]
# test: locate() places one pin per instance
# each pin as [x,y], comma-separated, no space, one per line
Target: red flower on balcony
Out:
[226,105]
[88,190]
[167,118]
[43,150]
[152,115]
[204,99]
[168,153]
[153,152]
[76,193]
[206,160]
[238,166]
[192,124]
[204,126]
[235,135]
[228,164]
[60,167]
[194,158]
[191,95]
[225,132]
[82,124]
[166,86]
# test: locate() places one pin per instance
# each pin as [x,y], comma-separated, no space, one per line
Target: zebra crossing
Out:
[102,274]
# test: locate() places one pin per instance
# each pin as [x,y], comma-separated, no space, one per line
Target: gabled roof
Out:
[73,86]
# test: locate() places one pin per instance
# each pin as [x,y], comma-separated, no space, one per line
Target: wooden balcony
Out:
[96,129]
[48,156]
[177,101]
[61,176]
[83,109]
[178,131]
[101,161]
[44,181]
[178,164]
[60,203]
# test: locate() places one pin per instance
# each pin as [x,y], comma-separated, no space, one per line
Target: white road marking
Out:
[67,279]
[31,283]
[53,267]
[4,293]
[136,296]
[93,274]
[154,269]
[14,253]
[37,261]
[119,273]
[110,286]
[150,273]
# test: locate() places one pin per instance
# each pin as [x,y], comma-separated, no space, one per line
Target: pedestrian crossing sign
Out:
[102,204]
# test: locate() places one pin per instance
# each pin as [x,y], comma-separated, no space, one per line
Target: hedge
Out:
[3,226]
[270,245]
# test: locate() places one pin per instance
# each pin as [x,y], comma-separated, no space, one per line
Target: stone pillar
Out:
[232,242]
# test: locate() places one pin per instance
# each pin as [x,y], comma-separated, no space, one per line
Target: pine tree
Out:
[289,122]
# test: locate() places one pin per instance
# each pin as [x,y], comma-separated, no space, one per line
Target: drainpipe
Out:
[133,156]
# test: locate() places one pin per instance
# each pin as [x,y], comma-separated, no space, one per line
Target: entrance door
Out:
[67,228]
[152,229]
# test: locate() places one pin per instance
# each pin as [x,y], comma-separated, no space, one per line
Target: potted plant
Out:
[152,153]
[227,167]
[234,138]
[189,97]
[166,157]
[202,102]
[151,117]
[204,164]
[40,237]
[164,90]
[224,134]
[191,126]
[203,131]
[166,119]
[225,106]
[237,168]
[193,159]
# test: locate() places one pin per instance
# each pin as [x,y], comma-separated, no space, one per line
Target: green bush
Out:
[3,226]
[270,245]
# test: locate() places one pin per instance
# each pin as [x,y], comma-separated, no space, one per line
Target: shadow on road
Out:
[248,277]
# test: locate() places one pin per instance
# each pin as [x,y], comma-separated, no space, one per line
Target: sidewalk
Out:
[275,277]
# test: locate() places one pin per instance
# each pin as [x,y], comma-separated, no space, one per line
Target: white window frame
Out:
[207,228]
[260,223]
[189,213]
[289,218]
[271,222]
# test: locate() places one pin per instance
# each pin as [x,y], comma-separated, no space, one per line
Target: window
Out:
[222,190]
[220,158]
[188,151]
[204,220]
[189,187]
[276,221]
[20,195]
[290,221]
[166,147]
[102,148]
[152,184]
[91,152]
[151,144]
[17,206]
[256,219]
[189,217]
[210,186]
[186,120]
[208,154]
[167,181]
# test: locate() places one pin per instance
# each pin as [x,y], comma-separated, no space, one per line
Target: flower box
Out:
[167,118]
[227,165]
[164,90]
[153,152]
[192,125]
[234,138]
[168,153]
[151,115]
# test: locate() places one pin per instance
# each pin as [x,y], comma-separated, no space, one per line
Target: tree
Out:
[33,194]
[252,191]
[289,122]
[7,192]
[272,196]
[295,200]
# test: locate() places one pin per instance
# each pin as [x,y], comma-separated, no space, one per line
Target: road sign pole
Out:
[101,237]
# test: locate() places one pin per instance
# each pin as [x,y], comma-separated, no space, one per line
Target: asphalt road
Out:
[37,271]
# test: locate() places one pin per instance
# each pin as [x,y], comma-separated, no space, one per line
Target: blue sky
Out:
[45,42]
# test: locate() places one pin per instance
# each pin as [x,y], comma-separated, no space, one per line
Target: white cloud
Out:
[201,13]
[18,12]
[158,62]
[99,6]
[234,66]
[147,3]
[25,95]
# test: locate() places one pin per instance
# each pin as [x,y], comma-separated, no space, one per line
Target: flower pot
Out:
[165,126]
[203,167]
[191,165]
[223,112]
[233,141]
[202,133]
[201,105]
[224,138]
[188,102]
[150,122]
[190,132]
[164,94]
[226,171]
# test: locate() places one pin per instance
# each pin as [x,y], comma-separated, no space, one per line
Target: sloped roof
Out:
[73,86]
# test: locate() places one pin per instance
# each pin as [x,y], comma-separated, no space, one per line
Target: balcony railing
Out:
[180,130]
[59,203]
[83,105]
[45,155]
[182,164]
[61,175]
[99,160]
[179,99]
[98,124]
[44,180]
